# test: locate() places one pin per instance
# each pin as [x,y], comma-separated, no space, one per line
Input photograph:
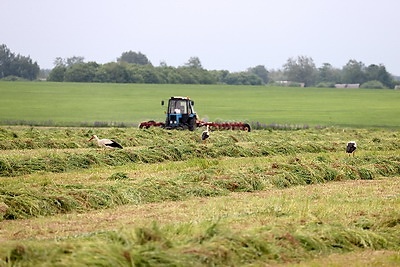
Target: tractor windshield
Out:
[177,106]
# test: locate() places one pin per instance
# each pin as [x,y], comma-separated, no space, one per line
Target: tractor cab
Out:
[180,113]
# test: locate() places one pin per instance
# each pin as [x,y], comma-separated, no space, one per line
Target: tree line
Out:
[304,70]
[134,67]
[16,66]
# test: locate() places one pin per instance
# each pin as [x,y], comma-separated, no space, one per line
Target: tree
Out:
[328,74]
[373,85]
[5,60]
[81,72]
[242,78]
[57,74]
[219,75]
[113,73]
[24,67]
[17,65]
[149,74]
[301,70]
[194,62]
[261,72]
[68,62]
[353,72]
[134,58]
[276,75]
[59,62]
[74,60]
[378,73]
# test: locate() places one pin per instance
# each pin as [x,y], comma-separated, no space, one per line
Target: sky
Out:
[224,34]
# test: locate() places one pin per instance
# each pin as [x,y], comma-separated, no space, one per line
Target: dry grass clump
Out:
[207,243]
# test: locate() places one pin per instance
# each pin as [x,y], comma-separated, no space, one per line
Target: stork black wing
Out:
[114,144]
[350,148]
[204,135]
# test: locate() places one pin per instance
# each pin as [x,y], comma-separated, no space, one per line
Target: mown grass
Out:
[241,199]
[44,197]
[293,158]
[269,227]
[29,150]
[76,104]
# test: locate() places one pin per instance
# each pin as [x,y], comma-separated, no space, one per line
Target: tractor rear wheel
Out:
[192,124]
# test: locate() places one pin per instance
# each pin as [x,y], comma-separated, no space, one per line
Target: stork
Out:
[205,134]
[105,142]
[351,147]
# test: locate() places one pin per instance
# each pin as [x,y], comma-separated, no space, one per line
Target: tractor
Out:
[181,115]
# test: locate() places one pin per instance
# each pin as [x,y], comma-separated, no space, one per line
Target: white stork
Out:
[205,134]
[105,142]
[351,147]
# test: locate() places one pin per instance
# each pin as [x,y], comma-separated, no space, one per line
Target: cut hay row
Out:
[46,198]
[275,226]
[31,138]
[50,153]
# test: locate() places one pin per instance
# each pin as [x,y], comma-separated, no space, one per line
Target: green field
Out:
[73,103]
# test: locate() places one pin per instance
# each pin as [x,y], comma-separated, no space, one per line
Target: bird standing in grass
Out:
[105,142]
[205,134]
[351,147]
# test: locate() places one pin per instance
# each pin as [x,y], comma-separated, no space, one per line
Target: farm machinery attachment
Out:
[181,115]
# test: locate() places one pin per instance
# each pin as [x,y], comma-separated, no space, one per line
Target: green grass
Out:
[66,103]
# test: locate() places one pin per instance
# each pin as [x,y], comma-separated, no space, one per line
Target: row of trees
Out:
[134,67]
[304,70]
[12,65]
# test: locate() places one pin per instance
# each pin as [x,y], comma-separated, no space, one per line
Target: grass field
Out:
[73,103]
[243,199]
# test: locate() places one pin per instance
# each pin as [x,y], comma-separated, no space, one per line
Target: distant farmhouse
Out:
[347,85]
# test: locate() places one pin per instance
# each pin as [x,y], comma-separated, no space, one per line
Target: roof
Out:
[180,97]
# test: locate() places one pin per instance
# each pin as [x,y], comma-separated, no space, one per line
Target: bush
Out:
[326,85]
[13,79]
[373,85]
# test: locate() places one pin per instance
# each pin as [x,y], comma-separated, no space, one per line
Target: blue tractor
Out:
[181,116]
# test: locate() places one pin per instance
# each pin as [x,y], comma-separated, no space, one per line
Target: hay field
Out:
[288,197]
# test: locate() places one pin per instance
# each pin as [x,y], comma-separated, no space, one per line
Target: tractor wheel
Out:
[192,124]
[246,127]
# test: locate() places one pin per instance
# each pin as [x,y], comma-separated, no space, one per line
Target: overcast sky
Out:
[225,34]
